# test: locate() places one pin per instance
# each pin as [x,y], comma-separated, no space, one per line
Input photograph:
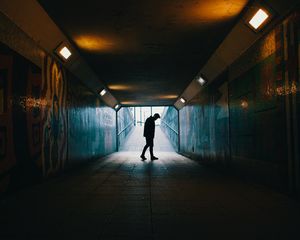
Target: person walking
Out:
[149,131]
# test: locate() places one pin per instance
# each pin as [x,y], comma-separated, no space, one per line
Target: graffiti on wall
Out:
[41,117]
[54,117]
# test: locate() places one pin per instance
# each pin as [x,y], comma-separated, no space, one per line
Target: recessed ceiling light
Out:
[258,19]
[201,80]
[103,92]
[117,106]
[182,100]
[65,52]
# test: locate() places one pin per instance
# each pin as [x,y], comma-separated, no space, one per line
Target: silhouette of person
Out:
[149,130]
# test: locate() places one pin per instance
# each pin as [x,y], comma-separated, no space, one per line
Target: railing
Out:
[162,121]
[125,128]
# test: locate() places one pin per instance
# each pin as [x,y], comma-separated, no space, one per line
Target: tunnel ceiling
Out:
[146,52]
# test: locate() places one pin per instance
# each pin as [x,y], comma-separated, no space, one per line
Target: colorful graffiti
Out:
[45,124]
[54,118]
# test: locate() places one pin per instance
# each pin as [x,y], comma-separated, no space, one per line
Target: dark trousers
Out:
[149,143]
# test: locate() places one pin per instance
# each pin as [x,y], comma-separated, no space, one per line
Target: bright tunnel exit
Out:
[131,122]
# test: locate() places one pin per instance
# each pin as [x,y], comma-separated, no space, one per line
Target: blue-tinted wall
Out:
[204,125]
[125,124]
[248,119]
[169,125]
[93,124]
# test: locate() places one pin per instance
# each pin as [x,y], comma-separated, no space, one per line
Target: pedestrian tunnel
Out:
[77,87]
[131,121]
[78,79]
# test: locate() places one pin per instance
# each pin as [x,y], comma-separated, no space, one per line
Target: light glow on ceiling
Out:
[168,96]
[130,102]
[117,106]
[120,87]
[65,52]
[212,11]
[258,19]
[94,43]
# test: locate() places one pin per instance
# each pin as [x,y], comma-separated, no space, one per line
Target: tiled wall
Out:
[49,121]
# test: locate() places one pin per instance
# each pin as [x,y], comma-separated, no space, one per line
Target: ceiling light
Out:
[103,92]
[258,19]
[201,80]
[117,106]
[182,100]
[65,52]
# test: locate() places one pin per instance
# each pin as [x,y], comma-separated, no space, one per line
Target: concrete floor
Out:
[121,197]
[136,142]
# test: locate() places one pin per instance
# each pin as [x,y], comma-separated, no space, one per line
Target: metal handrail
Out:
[169,126]
[125,128]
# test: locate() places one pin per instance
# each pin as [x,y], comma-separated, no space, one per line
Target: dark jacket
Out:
[149,128]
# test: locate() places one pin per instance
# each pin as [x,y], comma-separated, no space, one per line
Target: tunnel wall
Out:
[125,124]
[92,131]
[169,125]
[204,132]
[49,121]
[248,117]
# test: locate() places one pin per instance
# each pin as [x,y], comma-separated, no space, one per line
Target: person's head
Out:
[156,116]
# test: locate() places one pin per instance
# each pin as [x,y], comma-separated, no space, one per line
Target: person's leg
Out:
[144,150]
[151,149]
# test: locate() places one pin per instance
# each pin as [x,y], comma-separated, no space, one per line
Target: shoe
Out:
[153,158]
[143,158]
